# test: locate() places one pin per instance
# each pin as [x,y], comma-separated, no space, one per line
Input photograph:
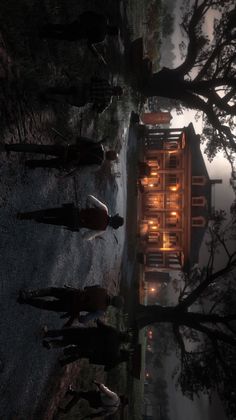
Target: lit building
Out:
[154,118]
[174,200]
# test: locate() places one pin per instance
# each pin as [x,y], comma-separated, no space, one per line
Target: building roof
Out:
[198,168]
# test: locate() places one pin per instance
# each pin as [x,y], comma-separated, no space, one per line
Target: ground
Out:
[34,255]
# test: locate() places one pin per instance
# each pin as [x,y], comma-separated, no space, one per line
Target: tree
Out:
[206,79]
[204,320]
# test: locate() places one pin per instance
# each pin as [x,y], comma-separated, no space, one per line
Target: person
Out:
[98,93]
[84,152]
[89,25]
[92,299]
[102,399]
[73,353]
[104,339]
[93,217]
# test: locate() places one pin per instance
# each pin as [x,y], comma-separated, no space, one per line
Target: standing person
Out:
[102,399]
[92,299]
[94,217]
[98,93]
[103,339]
[90,26]
[70,156]
[96,357]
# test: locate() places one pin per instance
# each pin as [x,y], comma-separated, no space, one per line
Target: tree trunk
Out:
[177,315]
[151,314]
[170,84]
[165,83]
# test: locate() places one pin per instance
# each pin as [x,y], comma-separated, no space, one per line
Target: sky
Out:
[219,167]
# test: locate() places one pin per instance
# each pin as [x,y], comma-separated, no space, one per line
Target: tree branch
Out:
[193,296]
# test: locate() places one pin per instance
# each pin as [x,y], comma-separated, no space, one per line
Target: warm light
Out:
[151,185]
[173,188]
[173,213]
[152,289]
[150,222]
[153,173]
[154,227]
[150,335]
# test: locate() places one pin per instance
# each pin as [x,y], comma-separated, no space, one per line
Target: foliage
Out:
[206,78]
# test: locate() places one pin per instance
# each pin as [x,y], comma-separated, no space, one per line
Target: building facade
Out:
[174,200]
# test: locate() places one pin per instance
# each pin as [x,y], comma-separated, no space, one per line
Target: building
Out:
[154,118]
[174,200]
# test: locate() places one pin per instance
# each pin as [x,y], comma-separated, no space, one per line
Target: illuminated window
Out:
[198,201]
[153,236]
[171,145]
[171,239]
[198,180]
[172,219]
[198,221]
[172,180]
[154,201]
[173,201]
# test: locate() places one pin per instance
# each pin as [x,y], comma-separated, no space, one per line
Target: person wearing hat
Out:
[98,93]
[92,299]
[90,26]
[94,217]
[102,399]
[96,357]
[103,339]
[84,152]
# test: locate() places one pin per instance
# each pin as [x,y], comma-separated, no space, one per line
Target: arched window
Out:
[198,221]
[199,201]
[198,180]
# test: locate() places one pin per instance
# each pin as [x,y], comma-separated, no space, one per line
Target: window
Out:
[155,259]
[198,201]
[198,180]
[153,237]
[172,179]
[154,201]
[172,219]
[171,239]
[171,145]
[173,201]
[154,182]
[199,221]
[173,260]
[173,162]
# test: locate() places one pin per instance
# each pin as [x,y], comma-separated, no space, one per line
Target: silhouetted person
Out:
[98,92]
[70,156]
[103,339]
[107,401]
[92,299]
[90,26]
[94,217]
[96,357]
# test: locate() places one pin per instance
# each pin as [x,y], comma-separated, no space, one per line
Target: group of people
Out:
[101,344]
